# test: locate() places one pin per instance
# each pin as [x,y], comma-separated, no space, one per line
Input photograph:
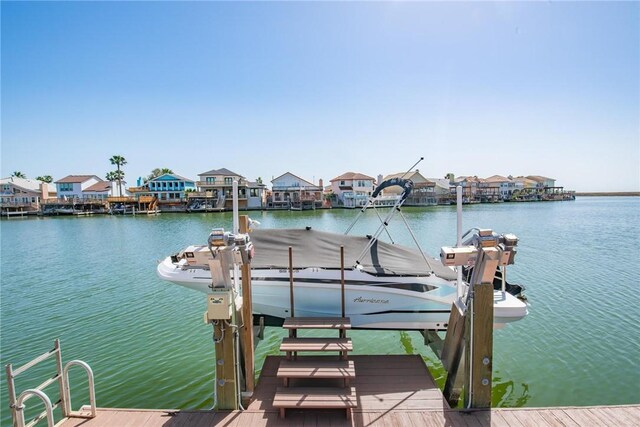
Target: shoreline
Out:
[609,194]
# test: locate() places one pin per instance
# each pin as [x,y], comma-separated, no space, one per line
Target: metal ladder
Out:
[62,377]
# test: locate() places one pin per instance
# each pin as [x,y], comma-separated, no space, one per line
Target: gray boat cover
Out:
[321,249]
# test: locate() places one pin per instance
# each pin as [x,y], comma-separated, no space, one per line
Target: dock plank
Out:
[410,399]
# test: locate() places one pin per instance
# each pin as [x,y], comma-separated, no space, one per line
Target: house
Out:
[170,188]
[543,181]
[424,190]
[289,191]
[352,189]
[443,191]
[526,189]
[100,190]
[73,186]
[506,186]
[215,189]
[24,194]
[474,189]
[549,190]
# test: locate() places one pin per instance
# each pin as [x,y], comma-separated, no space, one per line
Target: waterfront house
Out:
[170,188]
[473,188]
[543,181]
[549,190]
[443,190]
[289,191]
[101,190]
[352,189]
[424,190]
[215,189]
[72,187]
[506,186]
[21,194]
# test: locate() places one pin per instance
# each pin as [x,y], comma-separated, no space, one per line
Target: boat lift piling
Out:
[231,316]
[467,355]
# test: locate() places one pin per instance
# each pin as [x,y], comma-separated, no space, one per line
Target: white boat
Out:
[387,286]
[392,287]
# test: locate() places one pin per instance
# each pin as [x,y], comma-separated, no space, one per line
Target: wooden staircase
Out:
[313,368]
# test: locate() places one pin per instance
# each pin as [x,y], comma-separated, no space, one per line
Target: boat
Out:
[387,286]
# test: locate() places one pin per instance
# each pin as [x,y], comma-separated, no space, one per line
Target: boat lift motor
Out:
[224,250]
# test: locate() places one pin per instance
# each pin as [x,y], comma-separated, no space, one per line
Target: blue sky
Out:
[319,89]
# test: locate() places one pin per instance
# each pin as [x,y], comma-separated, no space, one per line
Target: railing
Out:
[17,404]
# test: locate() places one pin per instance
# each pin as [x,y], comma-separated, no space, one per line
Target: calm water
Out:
[91,282]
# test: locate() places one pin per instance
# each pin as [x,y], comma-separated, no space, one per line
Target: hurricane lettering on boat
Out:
[371,300]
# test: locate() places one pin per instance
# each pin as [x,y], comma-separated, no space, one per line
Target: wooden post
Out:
[291,281]
[479,331]
[342,277]
[226,390]
[343,333]
[246,333]
[452,353]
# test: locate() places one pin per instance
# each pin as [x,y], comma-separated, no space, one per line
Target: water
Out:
[91,282]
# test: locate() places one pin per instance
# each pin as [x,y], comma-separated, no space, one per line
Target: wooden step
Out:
[317,323]
[330,368]
[315,398]
[316,344]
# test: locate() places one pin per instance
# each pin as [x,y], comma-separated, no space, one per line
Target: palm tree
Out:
[45,178]
[115,176]
[158,172]
[18,174]
[119,161]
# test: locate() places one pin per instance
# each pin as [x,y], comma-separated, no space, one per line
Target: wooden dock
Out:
[392,391]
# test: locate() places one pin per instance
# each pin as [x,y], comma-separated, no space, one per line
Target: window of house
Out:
[211,180]
[253,192]
[341,182]
[228,180]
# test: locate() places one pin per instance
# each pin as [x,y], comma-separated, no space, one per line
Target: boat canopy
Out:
[312,248]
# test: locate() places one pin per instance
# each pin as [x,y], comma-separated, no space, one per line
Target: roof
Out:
[175,175]
[525,180]
[539,178]
[99,187]
[255,184]
[222,171]
[301,179]
[76,179]
[352,175]
[23,183]
[312,248]
[497,178]
[441,182]
[404,175]
[469,179]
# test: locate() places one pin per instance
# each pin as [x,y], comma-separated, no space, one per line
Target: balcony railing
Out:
[219,184]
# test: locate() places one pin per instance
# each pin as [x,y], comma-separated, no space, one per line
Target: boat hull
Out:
[371,302]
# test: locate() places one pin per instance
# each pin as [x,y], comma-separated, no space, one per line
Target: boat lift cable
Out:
[372,198]
[426,260]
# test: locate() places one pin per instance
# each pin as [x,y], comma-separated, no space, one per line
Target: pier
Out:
[392,391]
